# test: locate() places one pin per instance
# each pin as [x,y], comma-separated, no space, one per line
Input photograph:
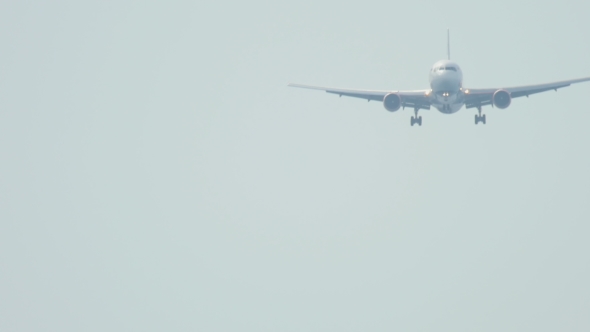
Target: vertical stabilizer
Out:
[448,44]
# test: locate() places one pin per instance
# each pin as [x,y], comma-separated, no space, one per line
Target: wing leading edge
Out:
[419,99]
[414,98]
[482,97]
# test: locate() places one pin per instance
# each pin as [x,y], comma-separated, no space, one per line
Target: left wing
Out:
[417,99]
[482,97]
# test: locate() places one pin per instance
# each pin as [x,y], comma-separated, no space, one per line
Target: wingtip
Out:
[295,85]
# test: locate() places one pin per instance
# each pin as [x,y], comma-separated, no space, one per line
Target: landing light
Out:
[467,91]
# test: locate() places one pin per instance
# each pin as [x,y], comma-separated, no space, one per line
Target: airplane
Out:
[446,92]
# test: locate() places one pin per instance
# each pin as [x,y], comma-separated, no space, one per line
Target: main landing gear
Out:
[480,118]
[416,119]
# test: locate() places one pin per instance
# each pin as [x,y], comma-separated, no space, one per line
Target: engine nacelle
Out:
[392,102]
[501,99]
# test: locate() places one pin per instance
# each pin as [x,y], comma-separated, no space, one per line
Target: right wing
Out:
[414,99]
[481,97]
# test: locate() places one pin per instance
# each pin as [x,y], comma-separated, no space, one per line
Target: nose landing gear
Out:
[479,117]
[416,119]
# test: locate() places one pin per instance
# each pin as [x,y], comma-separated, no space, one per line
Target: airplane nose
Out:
[447,80]
[443,83]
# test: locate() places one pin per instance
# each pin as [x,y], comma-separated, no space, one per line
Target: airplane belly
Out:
[448,103]
[448,108]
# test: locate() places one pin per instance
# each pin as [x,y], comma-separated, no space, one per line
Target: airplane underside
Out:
[448,109]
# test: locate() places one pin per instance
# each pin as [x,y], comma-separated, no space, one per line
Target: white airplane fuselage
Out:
[446,82]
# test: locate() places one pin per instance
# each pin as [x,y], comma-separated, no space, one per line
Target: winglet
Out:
[448,44]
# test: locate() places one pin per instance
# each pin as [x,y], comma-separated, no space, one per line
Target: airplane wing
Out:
[482,97]
[413,98]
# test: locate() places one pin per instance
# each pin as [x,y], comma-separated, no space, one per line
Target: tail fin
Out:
[448,44]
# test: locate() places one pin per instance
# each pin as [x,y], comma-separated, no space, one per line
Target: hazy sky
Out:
[157,174]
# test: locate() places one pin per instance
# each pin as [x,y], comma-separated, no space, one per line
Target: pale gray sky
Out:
[156,174]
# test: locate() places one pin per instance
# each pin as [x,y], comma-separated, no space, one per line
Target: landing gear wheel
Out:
[480,118]
[416,119]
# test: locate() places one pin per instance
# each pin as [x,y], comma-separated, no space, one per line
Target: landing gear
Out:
[416,119]
[479,117]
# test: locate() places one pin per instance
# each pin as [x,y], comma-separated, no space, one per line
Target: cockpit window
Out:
[451,68]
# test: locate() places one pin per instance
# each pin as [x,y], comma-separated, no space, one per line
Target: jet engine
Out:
[392,102]
[501,99]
